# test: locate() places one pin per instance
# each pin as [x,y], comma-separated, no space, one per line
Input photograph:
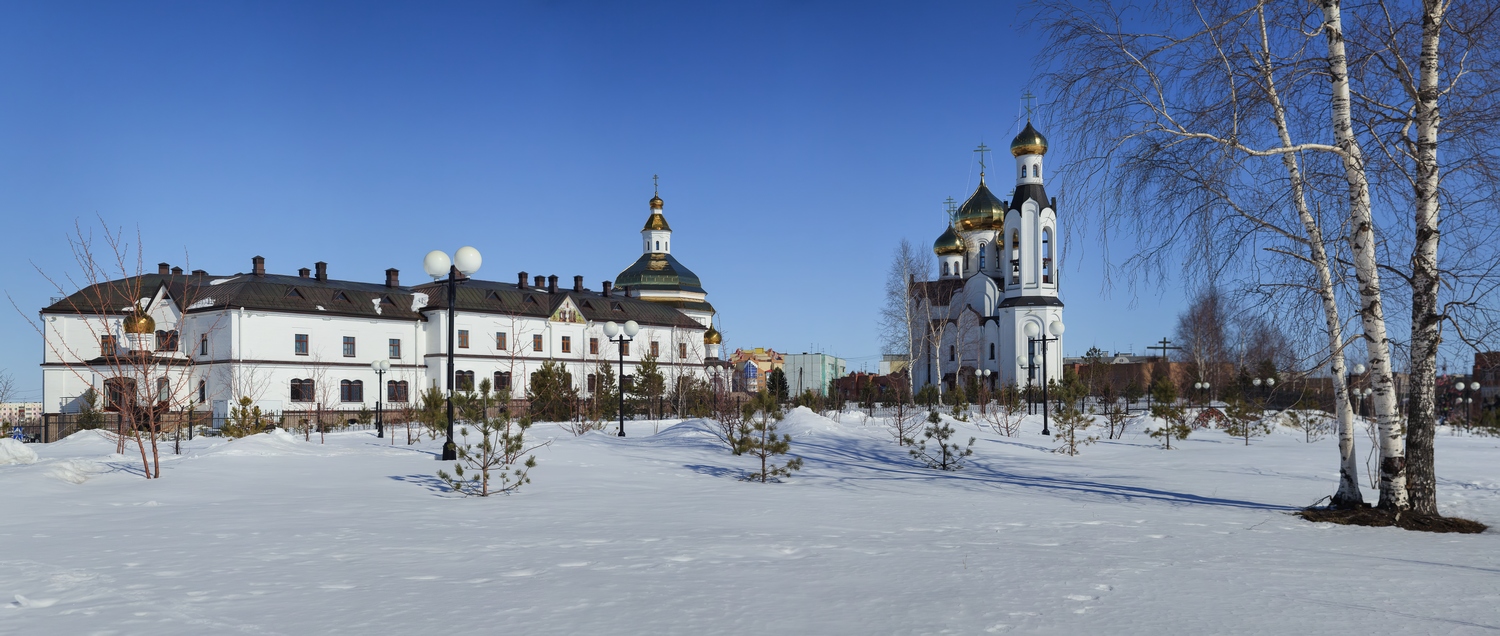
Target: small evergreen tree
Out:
[551,393]
[494,463]
[928,395]
[1068,423]
[649,385]
[606,402]
[1133,393]
[948,456]
[1007,414]
[867,396]
[1243,421]
[1116,417]
[757,438]
[778,386]
[433,414]
[89,416]
[244,420]
[1174,423]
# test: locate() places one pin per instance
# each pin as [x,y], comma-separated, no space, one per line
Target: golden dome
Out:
[139,323]
[656,221]
[712,337]
[948,243]
[655,202]
[1029,142]
[982,211]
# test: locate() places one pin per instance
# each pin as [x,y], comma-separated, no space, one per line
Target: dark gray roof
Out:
[1029,191]
[493,297]
[659,271]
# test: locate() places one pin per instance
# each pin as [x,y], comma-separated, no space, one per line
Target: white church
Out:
[296,342]
[994,307]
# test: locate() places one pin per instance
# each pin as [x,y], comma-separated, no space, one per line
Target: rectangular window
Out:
[106,345]
[500,341]
[536,342]
[655,349]
[348,346]
[625,348]
[395,346]
[202,391]
[627,383]
[593,346]
[300,348]
[682,350]
[593,383]
[463,338]
[502,380]
[203,344]
[567,344]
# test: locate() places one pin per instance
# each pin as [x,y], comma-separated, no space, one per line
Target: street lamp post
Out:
[982,378]
[626,334]
[1025,363]
[1034,334]
[465,262]
[380,366]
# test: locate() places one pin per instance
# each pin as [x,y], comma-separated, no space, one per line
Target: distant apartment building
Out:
[811,371]
[16,412]
[751,366]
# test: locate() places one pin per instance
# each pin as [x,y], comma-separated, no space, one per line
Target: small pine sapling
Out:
[949,456]
[1068,423]
[1313,424]
[1174,423]
[494,464]
[904,421]
[757,438]
[1243,421]
[1007,413]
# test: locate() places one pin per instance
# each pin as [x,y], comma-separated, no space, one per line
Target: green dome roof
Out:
[982,211]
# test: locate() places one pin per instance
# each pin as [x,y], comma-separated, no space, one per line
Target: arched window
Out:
[945,268]
[351,391]
[992,351]
[658,246]
[1047,255]
[302,390]
[981,256]
[395,391]
[1023,171]
[1015,256]
[1036,170]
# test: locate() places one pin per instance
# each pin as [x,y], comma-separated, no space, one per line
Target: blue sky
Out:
[797,143]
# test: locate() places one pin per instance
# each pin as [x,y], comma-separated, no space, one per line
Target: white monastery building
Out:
[305,341]
[996,294]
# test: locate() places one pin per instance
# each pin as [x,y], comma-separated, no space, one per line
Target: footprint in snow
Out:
[32,603]
[1080,597]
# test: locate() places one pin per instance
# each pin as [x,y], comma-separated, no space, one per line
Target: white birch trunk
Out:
[1362,245]
[1348,494]
[1426,333]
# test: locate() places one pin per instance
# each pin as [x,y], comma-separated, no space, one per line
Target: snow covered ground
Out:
[654,534]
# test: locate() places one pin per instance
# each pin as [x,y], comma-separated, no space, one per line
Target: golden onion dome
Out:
[949,243]
[712,337]
[1029,142]
[656,202]
[982,211]
[657,221]
[139,323]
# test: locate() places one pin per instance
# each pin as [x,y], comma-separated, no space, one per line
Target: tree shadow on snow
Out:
[893,463]
[429,482]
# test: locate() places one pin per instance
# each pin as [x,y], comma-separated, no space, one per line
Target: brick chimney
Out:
[163,268]
[199,272]
[322,270]
[393,277]
[605,288]
[521,280]
[304,272]
[578,284]
[176,271]
[258,266]
[552,284]
[541,281]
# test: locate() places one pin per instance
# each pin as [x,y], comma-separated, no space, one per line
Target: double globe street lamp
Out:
[1202,388]
[437,264]
[625,334]
[380,366]
[1034,334]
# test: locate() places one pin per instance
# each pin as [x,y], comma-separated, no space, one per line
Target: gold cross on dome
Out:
[655,186]
[1028,103]
[981,150]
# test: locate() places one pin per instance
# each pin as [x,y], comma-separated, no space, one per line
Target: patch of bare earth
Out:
[1378,518]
